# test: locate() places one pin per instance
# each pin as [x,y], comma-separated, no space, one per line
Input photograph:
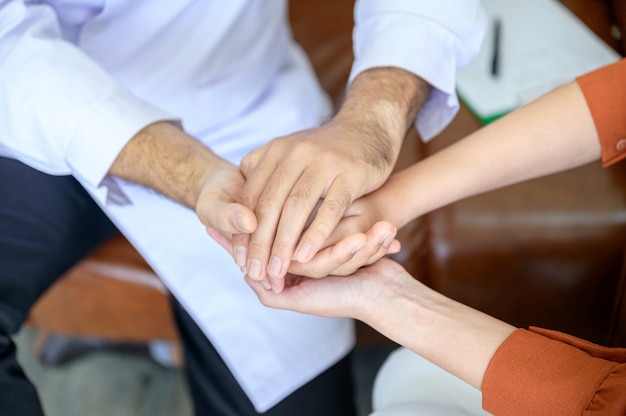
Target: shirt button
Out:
[621,144]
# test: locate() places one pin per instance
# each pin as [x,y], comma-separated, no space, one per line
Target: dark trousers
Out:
[47,224]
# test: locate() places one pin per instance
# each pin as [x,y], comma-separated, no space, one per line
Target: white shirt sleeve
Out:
[60,112]
[429,38]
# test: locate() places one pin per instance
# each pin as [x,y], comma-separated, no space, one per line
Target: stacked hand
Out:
[295,210]
[358,237]
[299,187]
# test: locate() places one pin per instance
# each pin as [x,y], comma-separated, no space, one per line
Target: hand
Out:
[335,163]
[363,295]
[359,239]
[346,250]
[217,208]
[163,157]
[387,298]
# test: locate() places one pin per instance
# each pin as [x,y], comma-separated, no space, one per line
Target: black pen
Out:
[495,57]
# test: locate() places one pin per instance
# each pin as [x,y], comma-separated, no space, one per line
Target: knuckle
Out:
[285,239]
[302,147]
[265,206]
[248,197]
[276,181]
[257,246]
[338,204]
[299,197]
[318,232]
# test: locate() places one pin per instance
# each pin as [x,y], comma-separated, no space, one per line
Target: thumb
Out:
[232,218]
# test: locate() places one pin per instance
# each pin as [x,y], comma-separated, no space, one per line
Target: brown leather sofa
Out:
[548,252]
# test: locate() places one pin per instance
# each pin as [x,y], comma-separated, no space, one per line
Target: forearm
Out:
[163,157]
[384,101]
[552,134]
[451,335]
[431,39]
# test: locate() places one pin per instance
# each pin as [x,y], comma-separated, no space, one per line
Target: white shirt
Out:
[78,78]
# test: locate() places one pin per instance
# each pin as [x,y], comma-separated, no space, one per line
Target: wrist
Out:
[445,330]
[392,203]
[165,158]
[386,100]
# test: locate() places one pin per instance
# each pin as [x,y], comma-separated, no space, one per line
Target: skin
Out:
[165,158]
[314,175]
[390,300]
[552,134]
[520,146]
[334,163]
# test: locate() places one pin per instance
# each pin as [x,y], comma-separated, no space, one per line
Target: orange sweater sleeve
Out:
[605,92]
[542,372]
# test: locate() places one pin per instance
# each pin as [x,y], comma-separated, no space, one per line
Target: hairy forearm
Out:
[385,101]
[166,159]
[552,134]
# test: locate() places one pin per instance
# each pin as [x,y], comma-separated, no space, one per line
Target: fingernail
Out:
[358,247]
[386,242]
[254,269]
[274,287]
[275,266]
[240,253]
[303,252]
[266,284]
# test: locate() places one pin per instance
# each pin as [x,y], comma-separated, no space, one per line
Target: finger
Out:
[330,258]
[330,212]
[258,167]
[365,257]
[284,207]
[260,242]
[240,249]
[258,289]
[250,161]
[230,218]
[297,209]
[291,299]
[395,247]
[331,297]
[235,220]
[265,192]
[220,238]
[379,239]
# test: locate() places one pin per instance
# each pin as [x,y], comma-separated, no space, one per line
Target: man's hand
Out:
[163,157]
[217,205]
[332,164]
[335,163]
[346,250]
